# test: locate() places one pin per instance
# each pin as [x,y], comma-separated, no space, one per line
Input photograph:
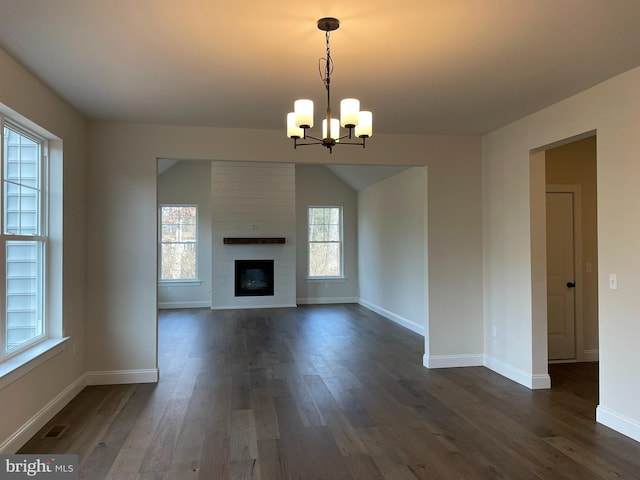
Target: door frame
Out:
[576,190]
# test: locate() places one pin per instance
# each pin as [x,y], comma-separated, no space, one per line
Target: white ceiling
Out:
[421,66]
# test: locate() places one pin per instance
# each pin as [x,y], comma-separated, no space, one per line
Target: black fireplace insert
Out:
[254,278]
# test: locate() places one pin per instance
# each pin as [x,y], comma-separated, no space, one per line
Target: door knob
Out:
[571,284]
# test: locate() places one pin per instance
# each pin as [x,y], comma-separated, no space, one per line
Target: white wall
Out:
[317,185]
[251,199]
[456,333]
[36,396]
[519,349]
[392,217]
[189,182]
[421,255]
[121,276]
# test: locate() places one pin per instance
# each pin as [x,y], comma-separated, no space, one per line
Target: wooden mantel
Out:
[252,240]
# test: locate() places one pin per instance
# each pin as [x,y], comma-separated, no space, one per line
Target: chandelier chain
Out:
[327,62]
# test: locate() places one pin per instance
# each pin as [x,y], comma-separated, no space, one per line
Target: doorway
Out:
[572,256]
[564,239]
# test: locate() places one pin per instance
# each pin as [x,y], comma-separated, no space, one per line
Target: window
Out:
[325,242]
[23,240]
[178,242]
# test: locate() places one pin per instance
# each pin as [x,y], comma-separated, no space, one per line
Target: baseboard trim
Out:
[12,444]
[534,382]
[116,377]
[591,355]
[325,300]
[540,381]
[618,422]
[170,305]
[452,361]
[393,317]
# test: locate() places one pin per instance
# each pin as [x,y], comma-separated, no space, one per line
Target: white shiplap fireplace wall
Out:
[253,200]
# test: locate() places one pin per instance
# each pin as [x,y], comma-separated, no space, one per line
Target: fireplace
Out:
[254,278]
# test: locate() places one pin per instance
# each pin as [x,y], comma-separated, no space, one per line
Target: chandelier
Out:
[358,123]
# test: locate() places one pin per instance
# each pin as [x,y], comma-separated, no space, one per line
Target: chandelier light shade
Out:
[303,110]
[349,112]
[334,133]
[293,131]
[364,129]
[359,124]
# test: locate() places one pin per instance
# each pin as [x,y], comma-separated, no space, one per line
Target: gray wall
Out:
[392,222]
[189,182]
[37,394]
[317,185]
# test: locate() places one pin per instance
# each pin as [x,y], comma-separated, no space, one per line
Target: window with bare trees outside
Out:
[325,242]
[178,242]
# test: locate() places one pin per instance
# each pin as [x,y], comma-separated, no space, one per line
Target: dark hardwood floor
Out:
[331,392]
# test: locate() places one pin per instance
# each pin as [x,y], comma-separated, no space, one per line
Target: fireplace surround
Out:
[254,278]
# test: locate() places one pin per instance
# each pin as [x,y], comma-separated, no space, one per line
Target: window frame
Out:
[41,237]
[196,242]
[340,243]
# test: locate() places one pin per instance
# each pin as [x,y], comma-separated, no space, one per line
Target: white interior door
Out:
[561,276]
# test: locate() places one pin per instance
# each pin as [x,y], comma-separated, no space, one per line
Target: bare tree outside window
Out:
[178,242]
[325,241]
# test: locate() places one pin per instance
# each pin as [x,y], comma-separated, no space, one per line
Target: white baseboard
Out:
[540,381]
[169,305]
[12,444]
[591,355]
[116,377]
[535,382]
[449,361]
[325,300]
[393,317]
[618,422]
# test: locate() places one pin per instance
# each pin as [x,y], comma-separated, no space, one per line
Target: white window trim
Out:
[336,278]
[25,353]
[21,364]
[326,279]
[169,282]
[180,283]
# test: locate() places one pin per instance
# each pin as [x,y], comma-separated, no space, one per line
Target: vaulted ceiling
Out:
[422,66]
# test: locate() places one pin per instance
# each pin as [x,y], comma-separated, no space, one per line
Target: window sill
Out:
[23,363]
[326,279]
[179,283]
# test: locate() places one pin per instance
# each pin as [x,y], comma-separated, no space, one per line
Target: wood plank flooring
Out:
[331,392]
